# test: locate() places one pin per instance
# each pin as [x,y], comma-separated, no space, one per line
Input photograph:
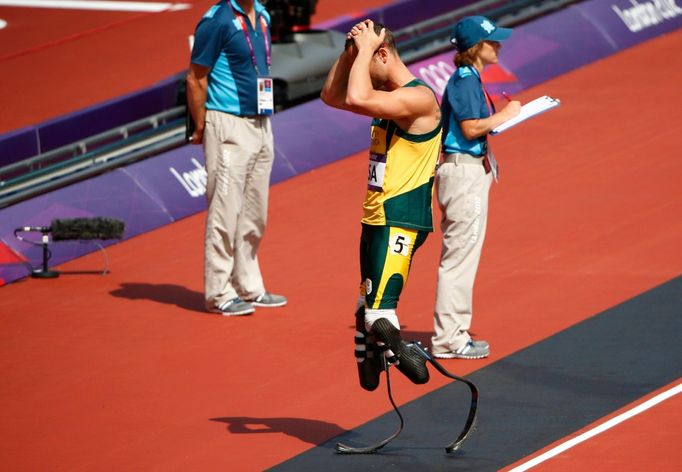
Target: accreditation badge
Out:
[266,96]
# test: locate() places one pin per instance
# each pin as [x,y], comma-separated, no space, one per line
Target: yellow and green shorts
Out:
[385,258]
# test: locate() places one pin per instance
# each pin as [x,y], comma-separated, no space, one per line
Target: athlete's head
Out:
[384,56]
[389,40]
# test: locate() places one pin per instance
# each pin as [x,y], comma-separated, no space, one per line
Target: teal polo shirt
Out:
[220,44]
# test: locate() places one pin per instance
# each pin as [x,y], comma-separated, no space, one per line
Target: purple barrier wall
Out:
[145,195]
[176,183]
[30,141]
[398,14]
[170,186]
[17,145]
[314,134]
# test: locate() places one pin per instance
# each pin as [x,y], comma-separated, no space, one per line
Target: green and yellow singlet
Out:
[401,172]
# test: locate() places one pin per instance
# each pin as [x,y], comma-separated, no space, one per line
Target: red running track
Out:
[125,372]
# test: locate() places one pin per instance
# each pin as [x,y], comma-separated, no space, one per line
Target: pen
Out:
[504,94]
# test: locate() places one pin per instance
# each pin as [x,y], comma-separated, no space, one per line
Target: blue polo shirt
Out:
[219,43]
[463,100]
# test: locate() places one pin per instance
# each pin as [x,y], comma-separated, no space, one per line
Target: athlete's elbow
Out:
[330,99]
[354,100]
[326,97]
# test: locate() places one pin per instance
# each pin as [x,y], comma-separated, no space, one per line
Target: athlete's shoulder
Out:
[417,99]
[417,86]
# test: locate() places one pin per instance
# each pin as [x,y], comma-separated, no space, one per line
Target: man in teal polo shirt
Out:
[230,97]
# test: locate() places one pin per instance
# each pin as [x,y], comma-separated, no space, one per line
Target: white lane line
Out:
[599,429]
[153,7]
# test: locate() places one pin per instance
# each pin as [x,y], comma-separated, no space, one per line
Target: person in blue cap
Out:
[463,181]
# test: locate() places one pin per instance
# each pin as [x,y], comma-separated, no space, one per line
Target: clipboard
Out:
[529,110]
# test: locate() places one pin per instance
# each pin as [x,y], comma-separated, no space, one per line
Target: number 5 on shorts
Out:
[400,244]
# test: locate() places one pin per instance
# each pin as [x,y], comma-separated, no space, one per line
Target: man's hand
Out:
[364,36]
[197,137]
[472,129]
[197,85]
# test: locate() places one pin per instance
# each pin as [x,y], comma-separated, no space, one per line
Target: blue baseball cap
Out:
[473,29]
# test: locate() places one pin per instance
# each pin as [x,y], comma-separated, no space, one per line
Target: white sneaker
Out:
[268,300]
[234,307]
[471,350]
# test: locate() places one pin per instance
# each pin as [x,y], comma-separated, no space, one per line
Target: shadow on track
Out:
[169,294]
[311,431]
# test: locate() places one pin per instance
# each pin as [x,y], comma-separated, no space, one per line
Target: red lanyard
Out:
[264,27]
[491,104]
[488,99]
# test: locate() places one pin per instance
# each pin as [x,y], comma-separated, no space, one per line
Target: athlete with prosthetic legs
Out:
[370,79]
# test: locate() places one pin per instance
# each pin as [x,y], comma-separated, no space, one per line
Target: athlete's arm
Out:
[399,104]
[361,96]
[335,87]
[472,129]
[197,85]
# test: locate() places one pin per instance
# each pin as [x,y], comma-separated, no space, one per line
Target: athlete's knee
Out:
[371,316]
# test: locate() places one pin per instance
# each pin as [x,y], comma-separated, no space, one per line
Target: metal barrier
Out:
[88,157]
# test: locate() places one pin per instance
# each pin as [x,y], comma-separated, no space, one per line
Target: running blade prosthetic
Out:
[409,360]
[456,443]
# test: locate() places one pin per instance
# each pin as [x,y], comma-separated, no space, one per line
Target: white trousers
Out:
[239,155]
[462,192]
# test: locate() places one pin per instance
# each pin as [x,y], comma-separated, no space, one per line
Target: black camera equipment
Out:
[97,228]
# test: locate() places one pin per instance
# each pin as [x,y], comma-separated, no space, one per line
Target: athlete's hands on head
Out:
[364,37]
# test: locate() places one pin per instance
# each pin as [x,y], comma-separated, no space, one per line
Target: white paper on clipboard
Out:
[529,110]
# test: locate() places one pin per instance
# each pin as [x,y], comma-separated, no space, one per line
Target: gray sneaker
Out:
[471,350]
[234,307]
[268,300]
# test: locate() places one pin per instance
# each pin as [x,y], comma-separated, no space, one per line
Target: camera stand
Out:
[45,272]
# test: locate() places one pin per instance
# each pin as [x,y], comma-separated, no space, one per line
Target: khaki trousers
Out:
[462,192]
[239,155]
